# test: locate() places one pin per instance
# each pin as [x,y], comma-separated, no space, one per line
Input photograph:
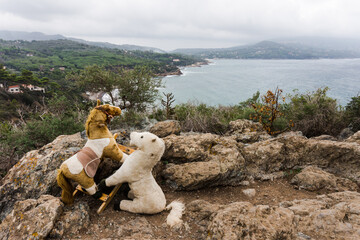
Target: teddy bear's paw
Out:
[117,206]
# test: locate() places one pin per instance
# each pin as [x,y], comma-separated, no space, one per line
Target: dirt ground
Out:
[107,224]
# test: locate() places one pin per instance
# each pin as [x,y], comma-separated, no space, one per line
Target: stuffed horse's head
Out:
[98,119]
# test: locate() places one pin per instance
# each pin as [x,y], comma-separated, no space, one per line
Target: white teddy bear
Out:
[147,195]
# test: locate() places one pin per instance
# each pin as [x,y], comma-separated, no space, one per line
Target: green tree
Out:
[5,77]
[137,88]
[96,79]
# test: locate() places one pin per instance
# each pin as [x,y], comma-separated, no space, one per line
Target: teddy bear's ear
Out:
[98,103]
[153,140]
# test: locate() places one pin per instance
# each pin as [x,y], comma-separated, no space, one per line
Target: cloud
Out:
[204,22]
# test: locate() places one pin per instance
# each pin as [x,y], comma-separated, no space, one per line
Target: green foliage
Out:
[55,58]
[352,113]
[204,118]
[314,113]
[137,88]
[169,110]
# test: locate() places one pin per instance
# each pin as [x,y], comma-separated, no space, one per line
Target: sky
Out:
[172,24]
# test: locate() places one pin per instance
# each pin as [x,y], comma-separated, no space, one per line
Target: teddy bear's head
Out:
[147,142]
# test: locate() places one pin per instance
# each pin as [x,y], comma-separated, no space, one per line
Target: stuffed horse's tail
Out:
[67,188]
[174,217]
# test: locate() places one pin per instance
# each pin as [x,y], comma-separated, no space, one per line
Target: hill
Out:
[271,50]
[38,36]
[28,36]
[53,56]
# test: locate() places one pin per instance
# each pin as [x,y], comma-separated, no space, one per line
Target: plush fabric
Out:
[82,167]
[136,170]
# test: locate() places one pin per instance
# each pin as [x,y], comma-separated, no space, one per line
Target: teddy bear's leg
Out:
[131,194]
[134,206]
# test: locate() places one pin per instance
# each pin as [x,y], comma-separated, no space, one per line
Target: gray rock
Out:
[331,216]
[72,220]
[35,174]
[313,179]
[247,131]
[166,128]
[249,192]
[207,160]
[31,218]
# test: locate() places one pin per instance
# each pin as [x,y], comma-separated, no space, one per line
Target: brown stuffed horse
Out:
[82,167]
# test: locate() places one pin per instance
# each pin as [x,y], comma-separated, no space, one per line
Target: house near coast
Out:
[17,88]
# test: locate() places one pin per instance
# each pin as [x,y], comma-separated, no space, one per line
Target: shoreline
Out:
[178,71]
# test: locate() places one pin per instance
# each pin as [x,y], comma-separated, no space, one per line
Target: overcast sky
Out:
[171,24]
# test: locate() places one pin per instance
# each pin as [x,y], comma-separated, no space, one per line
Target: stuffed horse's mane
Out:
[92,114]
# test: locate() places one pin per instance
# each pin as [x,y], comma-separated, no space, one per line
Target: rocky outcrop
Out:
[288,152]
[198,160]
[331,216]
[31,218]
[166,128]
[74,219]
[247,131]
[314,179]
[354,138]
[35,174]
[205,160]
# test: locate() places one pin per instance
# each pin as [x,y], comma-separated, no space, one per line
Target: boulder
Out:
[35,174]
[166,128]
[289,152]
[331,216]
[207,160]
[242,220]
[354,138]
[247,131]
[313,179]
[31,218]
[73,219]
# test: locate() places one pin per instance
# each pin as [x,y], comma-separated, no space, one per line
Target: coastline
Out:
[178,71]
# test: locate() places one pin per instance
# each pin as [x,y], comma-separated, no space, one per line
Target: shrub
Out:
[352,113]
[270,111]
[204,118]
[314,113]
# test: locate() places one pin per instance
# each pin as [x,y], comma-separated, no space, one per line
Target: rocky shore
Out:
[241,185]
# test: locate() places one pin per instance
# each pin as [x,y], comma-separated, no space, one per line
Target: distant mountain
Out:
[28,36]
[38,36]
[127,47]
[342,44]
[272,50]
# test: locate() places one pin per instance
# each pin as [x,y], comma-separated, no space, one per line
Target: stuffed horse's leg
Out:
[84,180]
[114,152]
[67,188]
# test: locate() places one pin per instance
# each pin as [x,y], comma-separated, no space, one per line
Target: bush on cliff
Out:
[352,113]
[314,113]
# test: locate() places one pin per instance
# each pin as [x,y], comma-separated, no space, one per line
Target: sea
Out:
[230,81]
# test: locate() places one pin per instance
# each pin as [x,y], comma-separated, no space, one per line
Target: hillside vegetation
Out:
[52,58]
